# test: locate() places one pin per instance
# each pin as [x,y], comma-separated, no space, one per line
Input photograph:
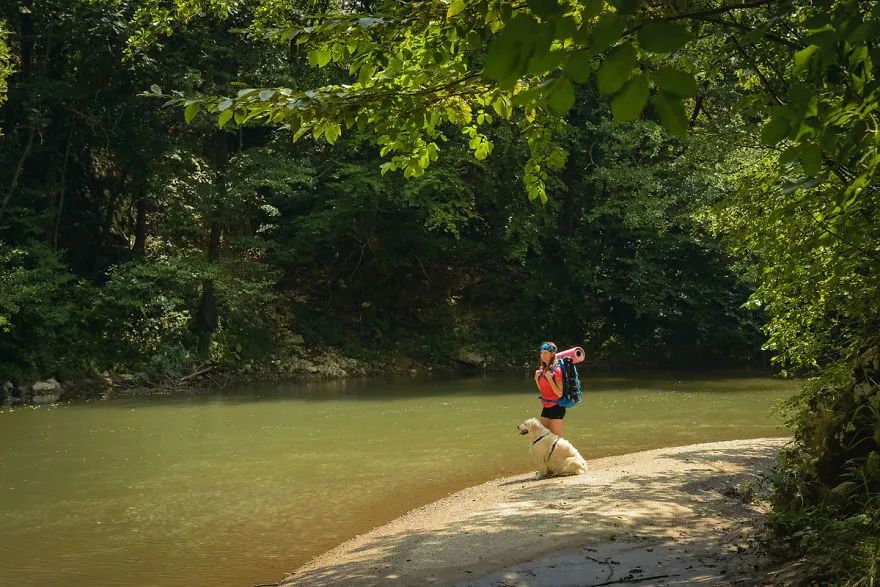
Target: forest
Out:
[670,184]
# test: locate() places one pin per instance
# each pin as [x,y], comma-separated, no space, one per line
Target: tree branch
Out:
[698,14]
[760,75]
[748,29]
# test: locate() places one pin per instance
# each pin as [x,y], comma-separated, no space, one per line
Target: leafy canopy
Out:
[415,70]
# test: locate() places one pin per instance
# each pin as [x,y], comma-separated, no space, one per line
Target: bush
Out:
[39,301]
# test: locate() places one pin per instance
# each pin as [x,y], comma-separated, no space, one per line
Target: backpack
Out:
[571,384]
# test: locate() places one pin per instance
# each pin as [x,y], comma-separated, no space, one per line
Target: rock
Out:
[126,378]
[48,386]
[45,392]
[470,358]
[7,387]
[402,363]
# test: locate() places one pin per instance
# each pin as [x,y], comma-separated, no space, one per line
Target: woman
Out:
[549,381]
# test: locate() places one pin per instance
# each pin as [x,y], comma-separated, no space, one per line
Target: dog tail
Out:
[574,466]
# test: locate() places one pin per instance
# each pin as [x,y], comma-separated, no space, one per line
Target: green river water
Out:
[239,486]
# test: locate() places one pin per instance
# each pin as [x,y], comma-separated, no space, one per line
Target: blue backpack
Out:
[571,384]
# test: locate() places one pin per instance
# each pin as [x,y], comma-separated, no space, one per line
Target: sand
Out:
[672,516]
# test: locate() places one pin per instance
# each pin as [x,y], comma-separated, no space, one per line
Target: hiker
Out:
[549,381]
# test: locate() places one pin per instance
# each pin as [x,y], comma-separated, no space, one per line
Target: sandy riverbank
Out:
[670,516]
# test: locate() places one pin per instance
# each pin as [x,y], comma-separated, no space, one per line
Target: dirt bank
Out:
[678,515]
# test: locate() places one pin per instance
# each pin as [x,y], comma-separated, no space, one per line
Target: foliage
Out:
[145,311]
[827,499]
[429,65]
[200,242]
[6,64]
[38,319]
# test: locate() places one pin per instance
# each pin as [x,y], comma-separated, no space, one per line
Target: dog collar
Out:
[536,442]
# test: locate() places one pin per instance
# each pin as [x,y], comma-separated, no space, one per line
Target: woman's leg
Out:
[555,426]
[545,422]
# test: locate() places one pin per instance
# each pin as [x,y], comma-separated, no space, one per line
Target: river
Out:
[241,485]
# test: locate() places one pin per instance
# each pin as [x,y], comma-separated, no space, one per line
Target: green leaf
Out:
[225,104]
[191,111]
[566,28]
[607,31]
[514,46]
[239,116]
[365,75]
[561,97]
[578,67]
[817,22]
[323,56]
[544,8]
[625,6]
[224,118]
[672,115]
[593,8]
[775,130]
[266,94]
[544,62]
[677,82]
[500,62]
[502,106]
[483,150]
[663,37]
[629,103]
[811,158]
[474,42]
[456,7]
[790,155]
[802,57]
[616,69]
[332,132]
[156,89]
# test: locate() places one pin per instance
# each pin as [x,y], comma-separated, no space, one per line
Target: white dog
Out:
[553,455]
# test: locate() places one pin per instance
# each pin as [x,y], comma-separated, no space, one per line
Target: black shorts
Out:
[553,413]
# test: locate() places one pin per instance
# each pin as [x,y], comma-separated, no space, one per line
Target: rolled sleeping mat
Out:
[577,354]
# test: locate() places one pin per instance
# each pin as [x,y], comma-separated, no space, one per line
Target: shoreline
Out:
[662,516]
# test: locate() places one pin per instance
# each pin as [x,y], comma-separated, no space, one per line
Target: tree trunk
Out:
[140,228]
[62,189]
[570,210]
[27,58]
[206,317]
[32,131]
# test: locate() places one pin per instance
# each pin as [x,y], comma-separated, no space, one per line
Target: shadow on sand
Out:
[680,504]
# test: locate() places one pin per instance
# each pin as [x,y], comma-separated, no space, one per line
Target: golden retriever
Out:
[553,455]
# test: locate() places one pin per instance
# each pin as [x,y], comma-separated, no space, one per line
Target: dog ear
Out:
[534,425]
